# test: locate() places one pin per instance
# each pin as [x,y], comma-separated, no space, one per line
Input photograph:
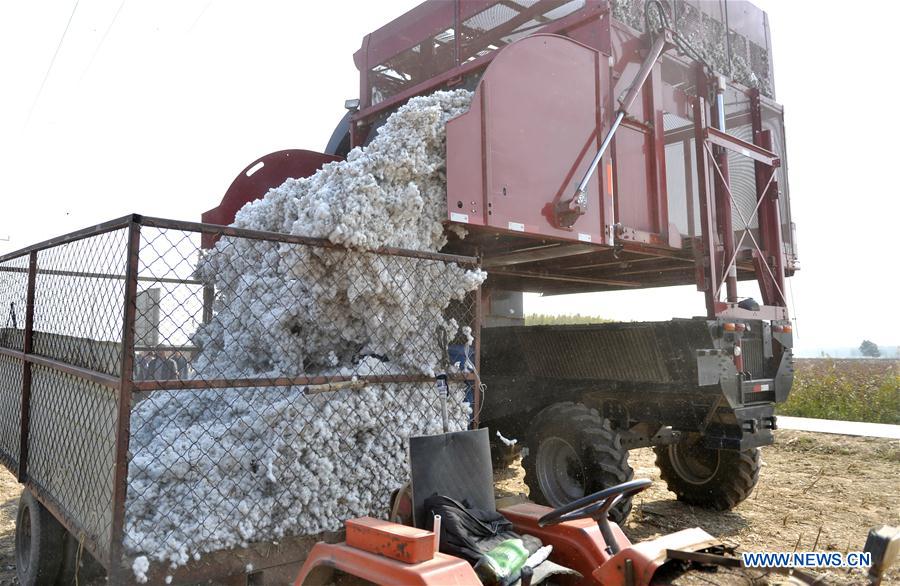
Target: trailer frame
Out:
[18,348]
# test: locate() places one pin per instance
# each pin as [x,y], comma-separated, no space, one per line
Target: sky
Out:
[154,107]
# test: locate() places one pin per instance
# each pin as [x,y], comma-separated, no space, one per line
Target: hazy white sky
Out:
[154,107]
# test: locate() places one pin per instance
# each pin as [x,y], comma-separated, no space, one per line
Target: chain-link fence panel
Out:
[10,409]
[277,381]
[13,289]
[79,302]
[71,457]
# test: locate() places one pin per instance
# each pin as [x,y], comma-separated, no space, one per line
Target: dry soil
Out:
[816,492]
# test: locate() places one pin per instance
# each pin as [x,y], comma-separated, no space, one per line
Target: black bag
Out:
[467,533]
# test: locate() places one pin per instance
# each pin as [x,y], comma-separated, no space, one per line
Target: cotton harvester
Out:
[611,145]
[608,147]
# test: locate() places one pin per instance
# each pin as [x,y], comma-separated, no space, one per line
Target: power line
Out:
[102,39]
[50,67]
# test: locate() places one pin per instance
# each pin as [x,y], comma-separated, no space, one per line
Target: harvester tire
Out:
[39,542]
[574,452]
[708,477]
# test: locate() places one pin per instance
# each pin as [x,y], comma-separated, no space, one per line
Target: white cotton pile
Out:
[239,466]
[215,469]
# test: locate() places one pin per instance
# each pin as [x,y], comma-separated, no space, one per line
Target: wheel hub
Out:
[694,463]
[560,471]
[23,539]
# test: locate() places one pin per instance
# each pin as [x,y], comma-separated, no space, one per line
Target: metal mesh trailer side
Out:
[102,323]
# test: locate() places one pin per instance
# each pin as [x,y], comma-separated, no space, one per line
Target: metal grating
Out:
[754,359]
[10,409]
[186,406]
[13,285]
[626,354]
[71,455]
[79,301]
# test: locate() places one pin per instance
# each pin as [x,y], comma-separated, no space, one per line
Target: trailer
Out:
[99,322]
[607,148]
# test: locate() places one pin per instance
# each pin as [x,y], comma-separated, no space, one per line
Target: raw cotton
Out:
[215,469]
[239,466]
[746,63]
[313,306]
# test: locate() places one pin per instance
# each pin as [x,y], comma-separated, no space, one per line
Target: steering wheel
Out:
[596,506]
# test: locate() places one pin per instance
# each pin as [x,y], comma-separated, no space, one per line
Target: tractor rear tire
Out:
[39,542]
[574,452]
[708,477]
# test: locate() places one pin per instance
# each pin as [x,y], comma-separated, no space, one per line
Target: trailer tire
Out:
[708,477]
[39,542]
[77,564]
[574,452]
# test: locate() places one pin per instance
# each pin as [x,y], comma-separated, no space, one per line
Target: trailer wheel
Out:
[39,542]
[707,477]
[573,452]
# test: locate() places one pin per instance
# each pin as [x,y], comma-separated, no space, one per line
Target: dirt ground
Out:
[9,500]
[816,492]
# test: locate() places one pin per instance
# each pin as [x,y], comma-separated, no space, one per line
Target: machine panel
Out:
[506,165]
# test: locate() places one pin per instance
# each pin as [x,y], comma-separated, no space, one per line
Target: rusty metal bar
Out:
[68,524]
[769,222]
[658,162]
[123,416]
[89,275]
[85,373]
[71,237]
[209,297]
[294,239]
[295,381]
[25,409]
[225,231]
[538,254]
[565,278]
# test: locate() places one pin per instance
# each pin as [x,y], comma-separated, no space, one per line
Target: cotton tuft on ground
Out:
[216,469]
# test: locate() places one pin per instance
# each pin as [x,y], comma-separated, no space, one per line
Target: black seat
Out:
[455,464]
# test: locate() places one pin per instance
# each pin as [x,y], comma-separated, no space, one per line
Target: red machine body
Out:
[548,78]
[576,544]
[692,189]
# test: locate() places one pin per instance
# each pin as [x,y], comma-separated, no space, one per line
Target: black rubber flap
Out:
[457,465]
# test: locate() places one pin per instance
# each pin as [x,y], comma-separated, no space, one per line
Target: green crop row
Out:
[849,390]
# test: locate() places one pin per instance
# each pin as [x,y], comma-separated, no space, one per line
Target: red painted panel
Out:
[257,178]
[634,207]
[535,112]
[465,180]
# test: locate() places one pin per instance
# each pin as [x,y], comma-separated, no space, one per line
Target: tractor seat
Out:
[456,466]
